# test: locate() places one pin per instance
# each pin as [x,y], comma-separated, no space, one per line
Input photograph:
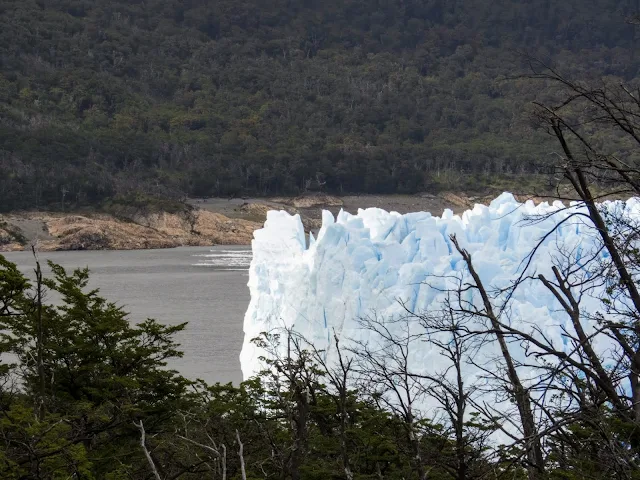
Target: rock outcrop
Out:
[53,231]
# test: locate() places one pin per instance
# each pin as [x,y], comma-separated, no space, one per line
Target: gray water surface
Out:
[205,286]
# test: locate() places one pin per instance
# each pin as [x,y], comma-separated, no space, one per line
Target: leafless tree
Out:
[339,379]
[217,450]
[586,164]
[243,472]
[147,454]
[455,343]
[521,395]
[383,366]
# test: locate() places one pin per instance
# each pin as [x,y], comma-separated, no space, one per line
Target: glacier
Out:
[385,263]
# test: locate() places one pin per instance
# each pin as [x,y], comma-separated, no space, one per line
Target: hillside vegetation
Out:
[109,98]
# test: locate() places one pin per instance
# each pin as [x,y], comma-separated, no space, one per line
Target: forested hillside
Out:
[107,98]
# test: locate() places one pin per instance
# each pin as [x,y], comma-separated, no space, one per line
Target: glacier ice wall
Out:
[375,261]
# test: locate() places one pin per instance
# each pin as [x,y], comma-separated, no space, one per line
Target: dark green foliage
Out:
[99,374]
[168,98]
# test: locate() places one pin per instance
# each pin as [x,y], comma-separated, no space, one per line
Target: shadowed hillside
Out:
[107,98]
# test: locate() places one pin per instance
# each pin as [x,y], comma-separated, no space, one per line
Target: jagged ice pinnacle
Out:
[383,263]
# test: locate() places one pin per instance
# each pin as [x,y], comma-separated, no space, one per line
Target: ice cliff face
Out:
[375,261]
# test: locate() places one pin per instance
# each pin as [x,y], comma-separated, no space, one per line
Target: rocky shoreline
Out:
[56,231]
[203,222]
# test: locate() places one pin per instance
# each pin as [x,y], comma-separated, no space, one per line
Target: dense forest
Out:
[168,97]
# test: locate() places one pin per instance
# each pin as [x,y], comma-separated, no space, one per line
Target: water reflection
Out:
[225,260]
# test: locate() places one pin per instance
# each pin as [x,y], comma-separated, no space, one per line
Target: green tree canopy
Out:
[167,98]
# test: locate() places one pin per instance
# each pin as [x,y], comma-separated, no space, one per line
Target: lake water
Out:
[205,286]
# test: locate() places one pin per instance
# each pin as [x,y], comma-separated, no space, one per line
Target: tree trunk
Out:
[535,459]
[39,339]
